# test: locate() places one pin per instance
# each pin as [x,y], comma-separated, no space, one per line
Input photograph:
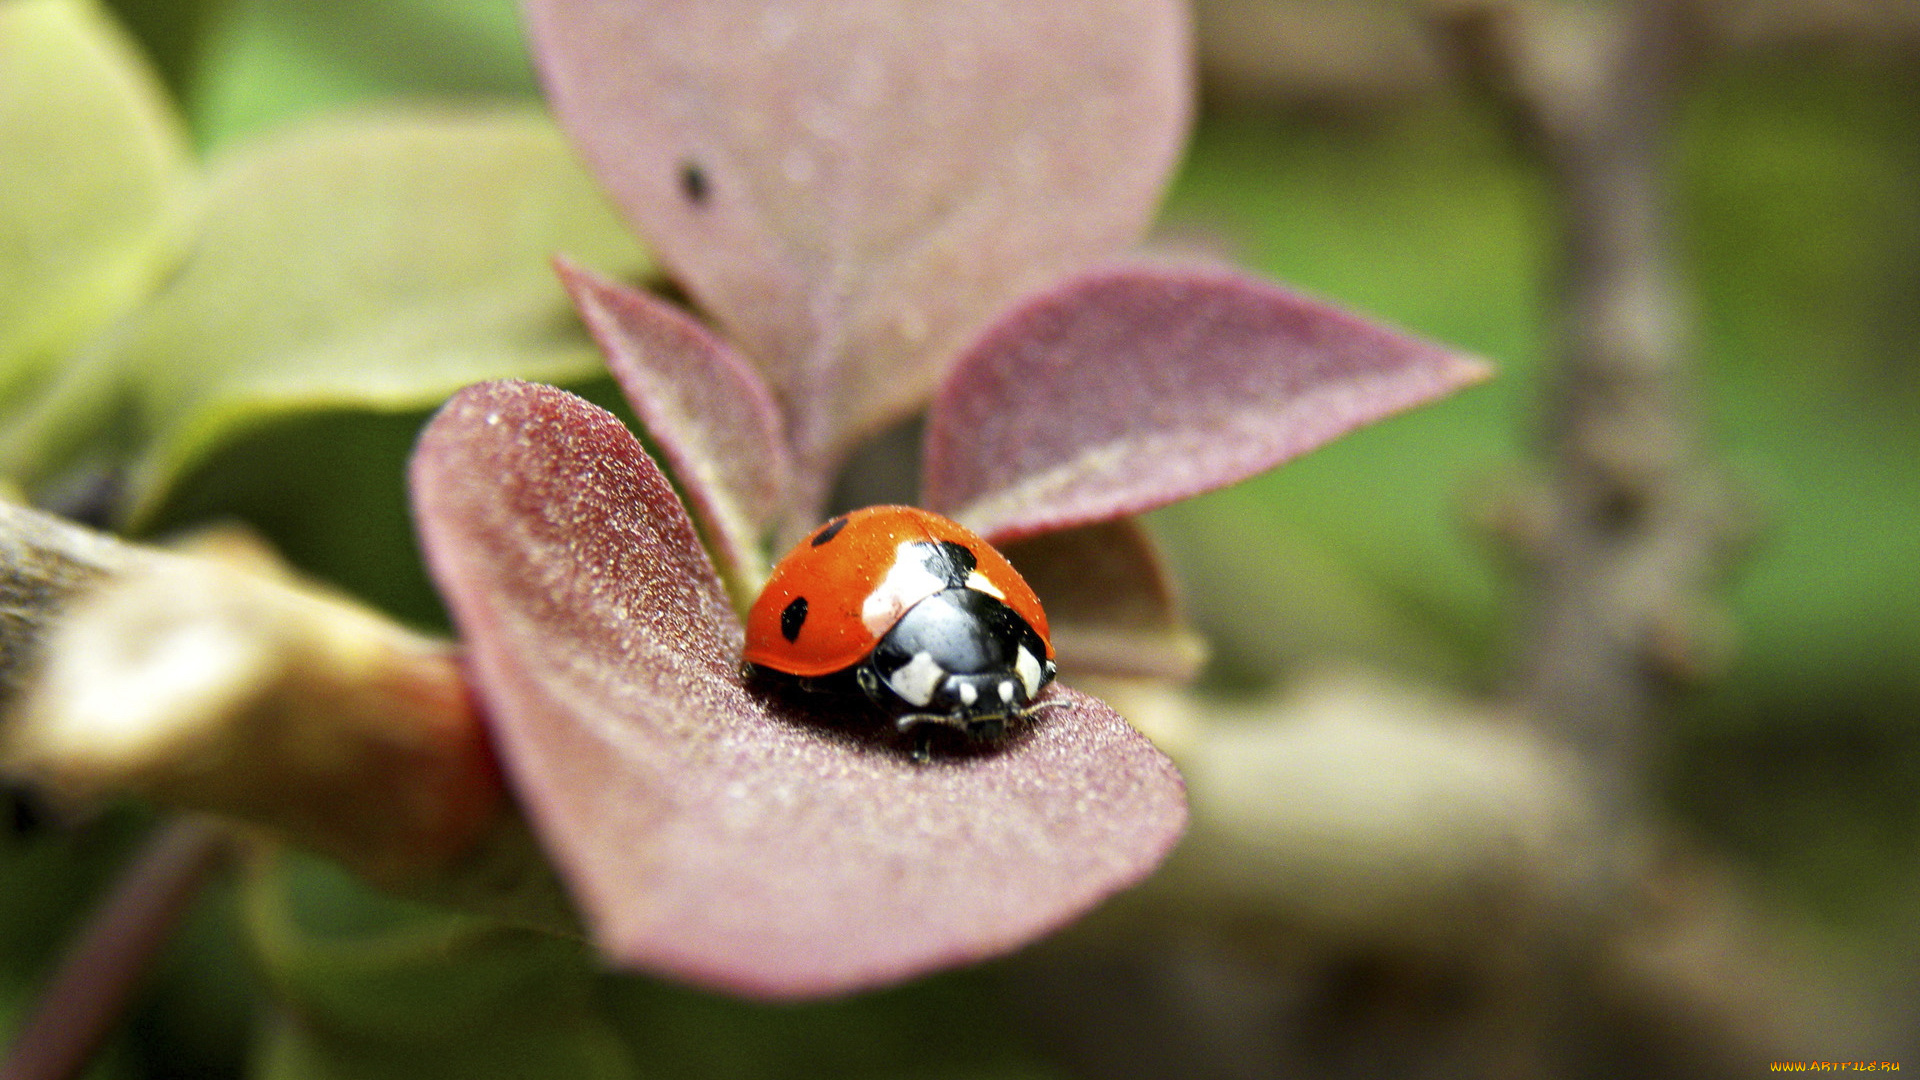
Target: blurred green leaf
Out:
[269,62]
[1802,202]
[373,262]
[170,33]
[958,1025]
[1827,603]
[370,987]
[1802,209]
[94,180]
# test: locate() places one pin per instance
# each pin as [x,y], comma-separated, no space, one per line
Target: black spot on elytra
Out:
[792,617]
[693,182]
[832,530]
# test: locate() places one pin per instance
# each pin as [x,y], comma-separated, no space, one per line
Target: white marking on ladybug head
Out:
[1025,666]
[1006,691]
[978,580]
[908,582]
[917,679]
[968,693]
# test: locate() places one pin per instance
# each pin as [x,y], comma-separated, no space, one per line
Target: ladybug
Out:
[915,611]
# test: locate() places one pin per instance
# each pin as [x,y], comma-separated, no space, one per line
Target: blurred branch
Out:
[1382,880]
[213,679]
[216,680]
[210,677]
[1735,25]
[1632,526]
[1348,54]
[1376,883]
[1342,53]
[90,990]
[45,564]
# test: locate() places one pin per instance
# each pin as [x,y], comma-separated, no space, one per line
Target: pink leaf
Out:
[851,189]
[709,412]
[1129,388]
[1110,601]
[710,832]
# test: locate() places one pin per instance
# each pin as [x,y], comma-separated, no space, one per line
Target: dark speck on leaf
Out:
[693,181]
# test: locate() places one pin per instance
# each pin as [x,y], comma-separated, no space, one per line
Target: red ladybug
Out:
[914,610]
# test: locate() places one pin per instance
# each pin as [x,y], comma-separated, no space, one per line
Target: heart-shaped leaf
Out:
[708,410]
[1130,388]
[851,189]
[773,847]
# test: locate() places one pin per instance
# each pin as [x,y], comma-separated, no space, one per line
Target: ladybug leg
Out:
[869,681]
[921,726]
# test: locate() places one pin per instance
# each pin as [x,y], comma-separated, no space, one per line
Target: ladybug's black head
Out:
[960,657]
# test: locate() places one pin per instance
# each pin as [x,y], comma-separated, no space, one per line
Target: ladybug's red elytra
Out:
[920,614]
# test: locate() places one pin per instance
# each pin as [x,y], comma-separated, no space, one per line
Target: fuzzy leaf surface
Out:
[1129,388]
[851,189]
[718,833]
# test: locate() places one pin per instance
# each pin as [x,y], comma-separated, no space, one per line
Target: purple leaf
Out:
[1110,602]
[1129,388]
[711,832]
[851,189]
[708,410]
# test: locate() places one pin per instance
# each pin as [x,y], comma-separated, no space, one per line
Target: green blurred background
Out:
[1797,200]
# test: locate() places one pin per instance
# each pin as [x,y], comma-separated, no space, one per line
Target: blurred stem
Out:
[1353,55]
[1622,540]
[1628,533]
[100,972]
[45,564]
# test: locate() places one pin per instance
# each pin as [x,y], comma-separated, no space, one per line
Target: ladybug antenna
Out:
[1039,707]
[918,721]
